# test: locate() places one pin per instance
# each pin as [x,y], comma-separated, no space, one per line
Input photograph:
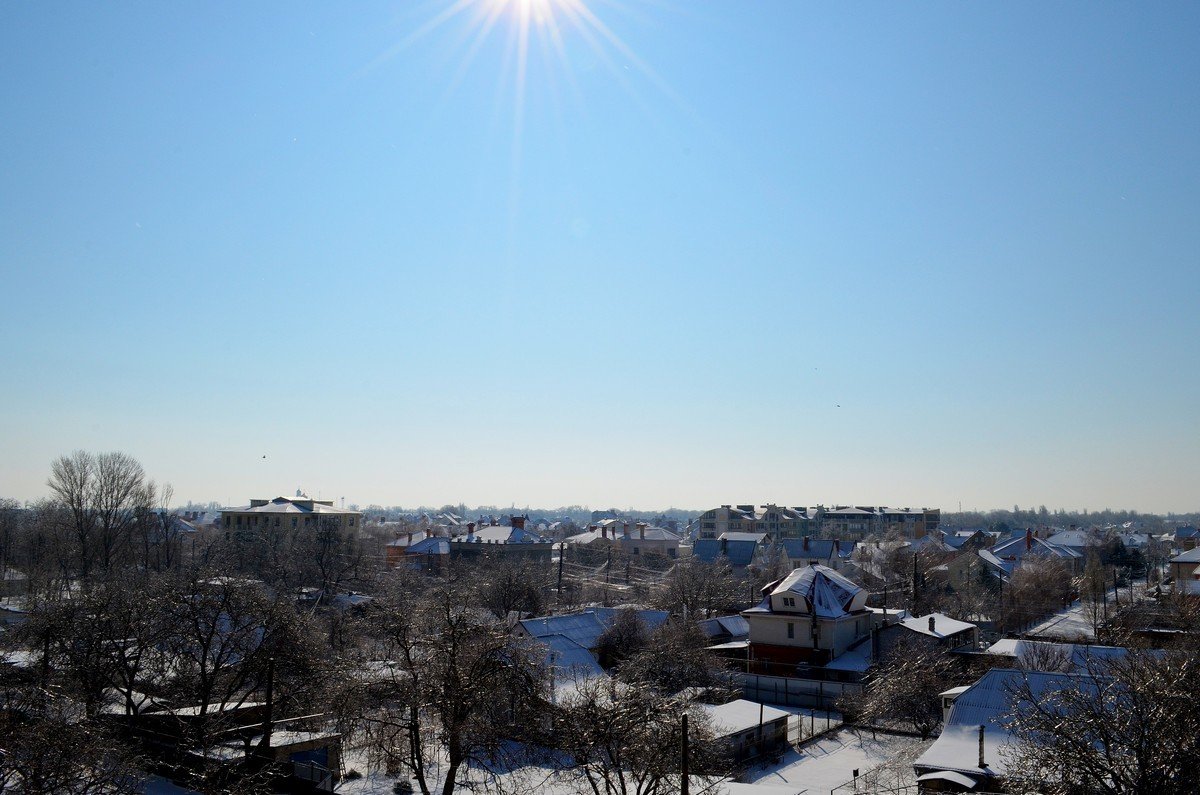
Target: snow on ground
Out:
[1075,621]
[830,761]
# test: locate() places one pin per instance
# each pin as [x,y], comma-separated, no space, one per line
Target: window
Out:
[789,601]
[791,630]
[293,522]
[635,551]
[227,521]
[352,521]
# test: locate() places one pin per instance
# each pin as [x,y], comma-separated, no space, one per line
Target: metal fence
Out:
[794,692]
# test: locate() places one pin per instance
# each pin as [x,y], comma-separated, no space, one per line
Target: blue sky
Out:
[736,252]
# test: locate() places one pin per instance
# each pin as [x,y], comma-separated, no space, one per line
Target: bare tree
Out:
[223,632]
[101,493]
[457,686]
[675,658]
[626,636]
[695,588]
[509,586]
[1126,725]
[45,750]
[904,689]
[622,738]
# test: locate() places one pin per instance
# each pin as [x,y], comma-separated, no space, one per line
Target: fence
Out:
[793,692]
[319,777]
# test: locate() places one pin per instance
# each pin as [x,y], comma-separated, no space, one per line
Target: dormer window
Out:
[789,601]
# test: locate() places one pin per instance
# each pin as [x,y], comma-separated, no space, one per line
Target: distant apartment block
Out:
[839,521]
[288,513]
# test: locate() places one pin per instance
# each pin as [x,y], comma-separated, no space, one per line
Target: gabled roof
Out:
[435,545]
[986,703]
[586,628]
[734,626]
[500,535]
[740,553]
[817,549]
[1020,546]
[1191,556]
[1081,656]
[943,625]
[741,715]
[403,541]
[706,549]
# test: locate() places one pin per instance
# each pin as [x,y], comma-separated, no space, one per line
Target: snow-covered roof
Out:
[735,626]
[1191,556]
[741,715]
[827,593]
[585,628]
[1080,655]
[943,625]
[985,703]
[289,505]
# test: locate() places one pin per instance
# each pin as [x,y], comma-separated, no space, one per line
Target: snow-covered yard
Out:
[830,761]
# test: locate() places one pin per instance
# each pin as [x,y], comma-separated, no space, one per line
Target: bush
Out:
[402,788]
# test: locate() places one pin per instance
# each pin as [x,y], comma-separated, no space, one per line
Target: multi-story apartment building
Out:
[840,521]
[775,520]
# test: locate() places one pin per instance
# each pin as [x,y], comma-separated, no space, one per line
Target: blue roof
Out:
[818,548]
[740,553]
[735,626]
[706,549]
[430,546]
[568,660]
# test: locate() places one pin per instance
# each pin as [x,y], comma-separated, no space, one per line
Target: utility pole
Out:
[562,549]
[683,761]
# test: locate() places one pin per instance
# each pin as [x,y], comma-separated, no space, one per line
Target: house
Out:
[748,730]
[821,551]
[395,550]
[507,540]
[809,617]
[1186,538]
[740,549]
[583,629]
[1006,556]
[1041,655]
[643,539]
[973,750]
[1185,569]
[935,631]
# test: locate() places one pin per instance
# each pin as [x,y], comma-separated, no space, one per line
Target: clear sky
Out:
[679,254]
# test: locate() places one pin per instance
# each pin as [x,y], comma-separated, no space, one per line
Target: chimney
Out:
[518,522]
[627,529]
[1028,539]
[470,528]
[806,543]
[410,539]
[931,629]
[642,532]
[982,762]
